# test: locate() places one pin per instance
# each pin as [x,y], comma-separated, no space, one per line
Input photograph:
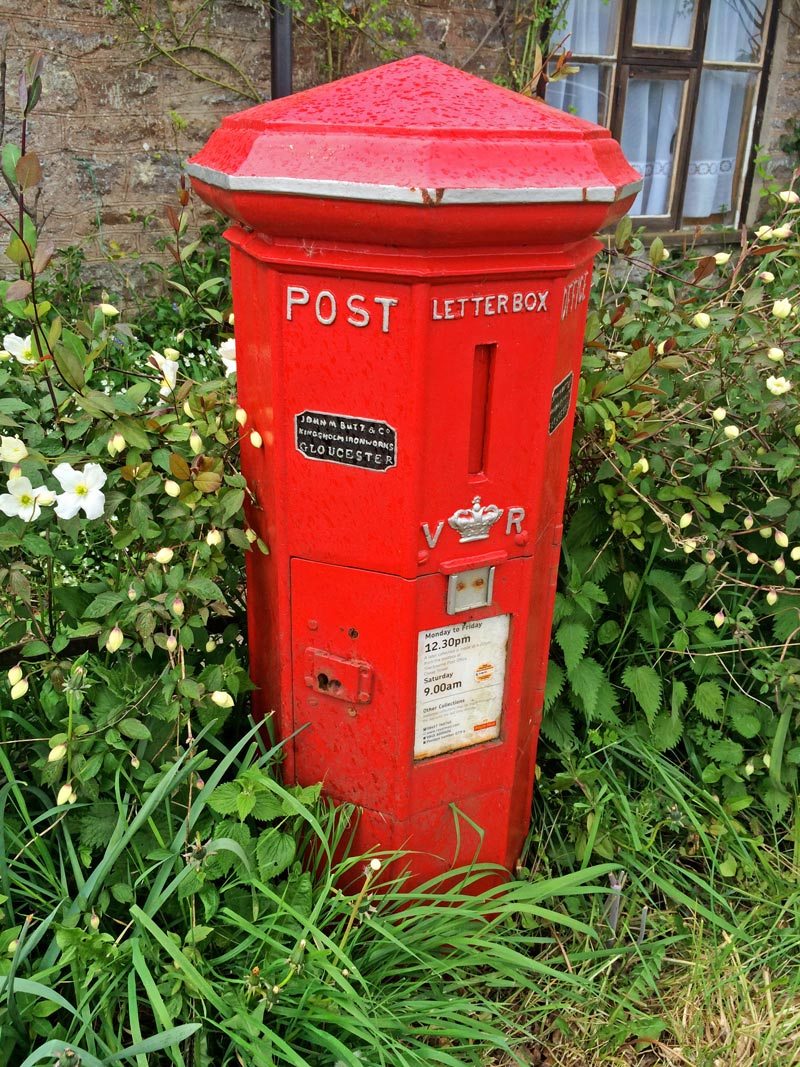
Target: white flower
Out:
[21,350]
[763,233]
[227,352]
[20,689]
[702,320]
[767,276]
[23,500]
[719,414]
[775,354]
[721,258]
[731,431]
[108,310]
[222,699]
[81,491]
[169,372]
[783,231]
[778,386]
[782,309]
[12,450]
[788,196]
[114,640]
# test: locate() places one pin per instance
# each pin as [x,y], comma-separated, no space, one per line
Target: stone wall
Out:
[117,118]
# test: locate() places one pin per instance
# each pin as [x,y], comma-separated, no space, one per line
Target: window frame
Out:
[687,64]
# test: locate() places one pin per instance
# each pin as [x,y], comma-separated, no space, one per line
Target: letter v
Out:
[432,538]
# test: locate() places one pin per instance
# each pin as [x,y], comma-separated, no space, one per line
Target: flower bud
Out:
[231,319]
[748,522]
[64,793]
[661,348]
[94,921]
[749,768]
[241,416]
[752,558]
[375,865]
[135,761]
[19,690]
[213,538]
[702,320]
[222,699]
[782,309]
[731,431]
[172,488]
[689,546]
[766,759]
[781,540]
[795,553]
[255,439]
[721,258]
[719,414]
[767,276]
[665,254]
[211,646]
[764,233]
[782,232]
[58,752]
[131,593]
[779,566]
[171,643]
[195,443]
[15,675]
[772,597]
[115,444]
[172,353]
[710,556]
[12,946]
[775,354]
[765,532]
[178,607]
[114,640]
[187,409]
[719,619]
[685,520]
[163,556]
[108,310]
[788,196]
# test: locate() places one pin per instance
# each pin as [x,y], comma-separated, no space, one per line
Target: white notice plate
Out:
[461,672]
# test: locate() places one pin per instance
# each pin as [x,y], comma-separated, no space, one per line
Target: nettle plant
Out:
[679,613]
[121,547]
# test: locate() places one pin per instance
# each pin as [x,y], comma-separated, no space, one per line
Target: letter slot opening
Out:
[483,366]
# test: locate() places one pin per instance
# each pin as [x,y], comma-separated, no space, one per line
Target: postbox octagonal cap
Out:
[416,152]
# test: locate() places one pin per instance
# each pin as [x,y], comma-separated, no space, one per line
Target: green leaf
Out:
[609,631]
[645,684]
[207,481]
[267,806]
[204,588]
[274,853]
[708,700]
[103,605]
[667,730]
[586,681]
[134,729]
[69,366]
[554,684]
[679,695]
[224,799]
[572,638]
[727,751]
[232,503]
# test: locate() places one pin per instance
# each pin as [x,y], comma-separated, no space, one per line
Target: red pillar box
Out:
[411,267]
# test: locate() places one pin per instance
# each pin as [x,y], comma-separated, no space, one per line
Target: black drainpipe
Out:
[280,23]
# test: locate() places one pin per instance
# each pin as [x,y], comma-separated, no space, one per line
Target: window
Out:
[677,82]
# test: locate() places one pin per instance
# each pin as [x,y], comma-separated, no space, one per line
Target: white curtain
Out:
[591,28]
[734,35]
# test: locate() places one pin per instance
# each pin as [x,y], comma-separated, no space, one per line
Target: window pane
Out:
[720,130]
[735,30]
[649,137]
[664,23]
[592,27]
[586,94]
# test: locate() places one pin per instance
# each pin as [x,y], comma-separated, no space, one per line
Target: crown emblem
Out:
[475,523]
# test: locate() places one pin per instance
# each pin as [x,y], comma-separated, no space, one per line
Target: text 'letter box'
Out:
[410,271]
